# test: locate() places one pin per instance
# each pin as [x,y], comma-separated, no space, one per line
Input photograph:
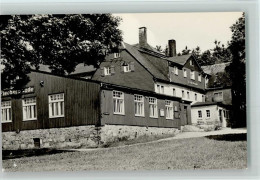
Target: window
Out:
[139,105]
[29,109]
[175,70]
[56,105]
[127,68]
[202,98]
[153,107]
[176,113]
[199,114]
[208,113]
[188,94]
[196,98]
[191,63]
[218,95]
[184,73]
[173,92]
[6,111]
[107,71]
[116,55]
[118,102]
[160,89]
[224,112]
[192,75]
[169,109]
[199,77]
[183,95]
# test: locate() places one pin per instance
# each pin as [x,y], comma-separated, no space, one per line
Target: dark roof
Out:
[143,60]
[80,68]
[148,47]
[208,104]
[180,59]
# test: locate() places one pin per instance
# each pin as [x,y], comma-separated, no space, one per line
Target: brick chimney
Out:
[142,37]
[172,48]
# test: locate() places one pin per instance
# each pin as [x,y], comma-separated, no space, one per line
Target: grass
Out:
[140,139]
[193,153]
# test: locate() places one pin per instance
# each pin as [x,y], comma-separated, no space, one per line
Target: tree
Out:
[237,72]
[59,41]
[184,51]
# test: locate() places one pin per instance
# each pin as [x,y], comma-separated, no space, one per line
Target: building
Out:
[135,91]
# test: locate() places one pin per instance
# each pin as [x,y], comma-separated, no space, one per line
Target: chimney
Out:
[172,47]
[142,37]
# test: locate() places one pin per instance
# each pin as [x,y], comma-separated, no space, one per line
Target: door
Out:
[185,116]
[220,116]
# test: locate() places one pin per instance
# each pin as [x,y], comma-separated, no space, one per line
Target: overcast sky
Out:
[188,29]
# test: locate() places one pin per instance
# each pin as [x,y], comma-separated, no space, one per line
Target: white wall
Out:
[168,90]
[214,114]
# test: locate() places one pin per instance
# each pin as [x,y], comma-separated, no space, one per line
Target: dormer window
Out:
[127,68]
[107,71]
[192,75]
[184,73]
[175,70]
[199,77]
[116,55]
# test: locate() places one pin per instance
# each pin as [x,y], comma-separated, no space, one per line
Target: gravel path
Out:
[183,135]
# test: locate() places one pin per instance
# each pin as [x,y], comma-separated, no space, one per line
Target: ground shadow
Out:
[229,137]
[12,154]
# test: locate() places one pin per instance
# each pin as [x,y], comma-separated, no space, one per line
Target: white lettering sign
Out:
[15,92]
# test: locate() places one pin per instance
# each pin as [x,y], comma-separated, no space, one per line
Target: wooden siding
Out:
[82,103]
[129,118]
[140,78]
[180,79]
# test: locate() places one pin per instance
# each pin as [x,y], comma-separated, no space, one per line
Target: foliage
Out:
[59,41]
[237,72]
[220,79]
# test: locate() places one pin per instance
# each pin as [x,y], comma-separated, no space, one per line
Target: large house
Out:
[135,91]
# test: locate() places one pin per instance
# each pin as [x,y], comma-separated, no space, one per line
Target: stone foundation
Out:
[77,137]
[113,133]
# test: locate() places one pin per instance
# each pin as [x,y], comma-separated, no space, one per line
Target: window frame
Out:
[184,73]
[59,101]
[117,55]
[139,99]
[122,98]
[199,77]
[169,110]
[153,102]
[107,70]
[6,108]
[196,97]
[127,68]
[218,95]
[175,70]
[192,75]
[24,105]
[207,113]
[199,114]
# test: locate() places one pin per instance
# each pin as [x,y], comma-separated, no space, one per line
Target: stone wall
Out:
[72,137]
[77,137]
[113,133]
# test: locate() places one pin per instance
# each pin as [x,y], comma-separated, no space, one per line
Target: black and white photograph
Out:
[123,92]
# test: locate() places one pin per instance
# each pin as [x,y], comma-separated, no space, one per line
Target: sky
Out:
[188,29]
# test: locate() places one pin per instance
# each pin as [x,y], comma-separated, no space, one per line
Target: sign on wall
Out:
[15,92]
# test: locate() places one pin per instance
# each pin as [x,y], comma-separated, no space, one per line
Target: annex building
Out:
[135,91]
